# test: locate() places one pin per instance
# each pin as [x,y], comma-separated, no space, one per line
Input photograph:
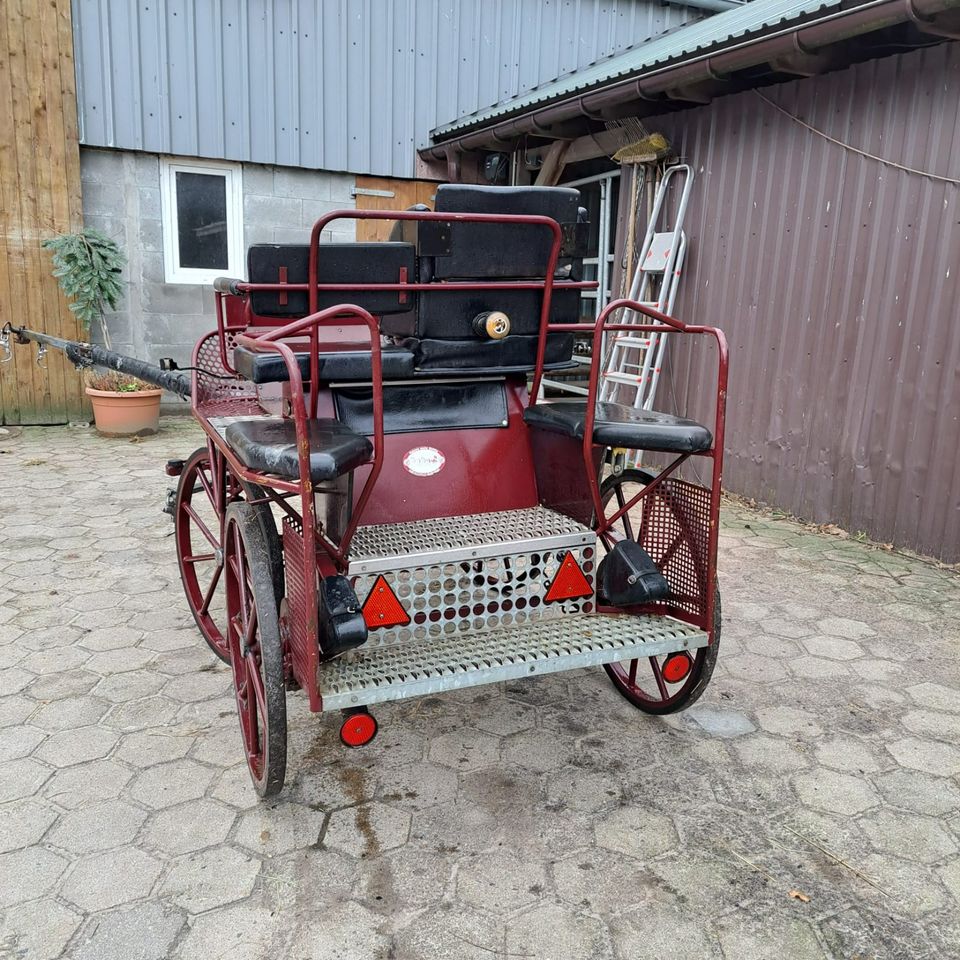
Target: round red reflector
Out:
[358,730]
[676,667]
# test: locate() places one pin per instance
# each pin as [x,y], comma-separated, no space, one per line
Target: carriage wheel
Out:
[198,530]
[256,652]
[671,682]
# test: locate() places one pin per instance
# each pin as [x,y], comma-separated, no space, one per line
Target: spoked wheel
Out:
[198,529]
[256,652]
[666,683]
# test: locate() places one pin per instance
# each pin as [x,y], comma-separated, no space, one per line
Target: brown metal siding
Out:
[835,278]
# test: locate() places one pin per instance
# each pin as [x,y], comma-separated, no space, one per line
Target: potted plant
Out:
[88,267]
[123,405]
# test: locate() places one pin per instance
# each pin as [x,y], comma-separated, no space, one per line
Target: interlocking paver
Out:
[66,748]
[367,829]
[212,878]
[75,787]
[900,834]
[145,931]
[551,932]
[20,741]
[244,932]
[930,756]
[24,823]
[98,826]
[165,784]
[39,930]
[28,874]
[110,879]
[542,818]
[637,832]
[190,826]
[22,778]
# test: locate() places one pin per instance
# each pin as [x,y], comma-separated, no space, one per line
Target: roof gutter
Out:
[650,85]
[713,6]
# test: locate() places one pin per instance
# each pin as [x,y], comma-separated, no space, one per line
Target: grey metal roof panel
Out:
[351,85]
[683,42]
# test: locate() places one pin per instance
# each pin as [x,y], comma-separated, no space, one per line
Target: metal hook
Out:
[5,346]
[41,355]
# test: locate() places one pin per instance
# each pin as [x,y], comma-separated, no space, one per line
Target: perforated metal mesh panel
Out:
[303,652]
[376,674]
[675,532]
[215,394]
[468,596]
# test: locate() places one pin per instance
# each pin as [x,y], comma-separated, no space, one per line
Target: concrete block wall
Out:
[121,198]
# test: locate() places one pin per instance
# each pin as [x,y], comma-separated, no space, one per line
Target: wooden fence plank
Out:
[39,197]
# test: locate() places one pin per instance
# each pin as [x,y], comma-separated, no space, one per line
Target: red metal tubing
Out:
[446,286]
[272,341]
[666,324]
[425,215]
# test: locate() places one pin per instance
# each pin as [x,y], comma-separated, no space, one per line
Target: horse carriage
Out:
[441,523]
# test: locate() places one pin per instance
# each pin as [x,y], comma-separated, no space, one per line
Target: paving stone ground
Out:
[542,819]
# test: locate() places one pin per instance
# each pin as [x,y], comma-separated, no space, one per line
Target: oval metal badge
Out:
[423,461]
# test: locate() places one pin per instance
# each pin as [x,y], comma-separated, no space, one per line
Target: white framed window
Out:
[202,211]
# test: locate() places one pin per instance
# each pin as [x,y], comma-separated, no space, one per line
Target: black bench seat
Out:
[617,425]
[354,364]
[269,445]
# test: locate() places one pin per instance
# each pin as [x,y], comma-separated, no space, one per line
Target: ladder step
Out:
[627,340]
[631,379]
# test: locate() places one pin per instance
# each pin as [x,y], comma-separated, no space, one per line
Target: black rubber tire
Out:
[266,520]
[704,659]
[268,770]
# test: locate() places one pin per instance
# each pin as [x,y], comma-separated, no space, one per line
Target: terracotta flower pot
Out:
[124,414]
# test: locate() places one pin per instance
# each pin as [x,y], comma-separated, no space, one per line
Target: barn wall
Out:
[837,281]
[121,198]
[350,85]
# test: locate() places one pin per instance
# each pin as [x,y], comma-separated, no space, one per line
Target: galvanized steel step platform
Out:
[387,546]
[378,674]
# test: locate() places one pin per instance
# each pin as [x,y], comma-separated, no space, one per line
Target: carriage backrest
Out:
[438,327]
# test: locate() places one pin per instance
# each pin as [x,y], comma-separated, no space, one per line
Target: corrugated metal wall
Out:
[837,281]
[353,85]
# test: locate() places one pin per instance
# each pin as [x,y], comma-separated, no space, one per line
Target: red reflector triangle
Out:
[382,608]
[569,583]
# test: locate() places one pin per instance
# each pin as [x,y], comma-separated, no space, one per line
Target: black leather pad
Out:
[484,250]
[396,363]
[337,263]
[269,445]
[513,354]
[617,425]
[417,408]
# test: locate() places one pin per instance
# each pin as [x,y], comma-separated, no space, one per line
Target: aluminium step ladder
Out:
[633,361]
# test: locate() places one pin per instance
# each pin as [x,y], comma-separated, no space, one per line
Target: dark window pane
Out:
[202,219]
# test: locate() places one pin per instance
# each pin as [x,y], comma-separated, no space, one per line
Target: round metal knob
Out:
[494,324]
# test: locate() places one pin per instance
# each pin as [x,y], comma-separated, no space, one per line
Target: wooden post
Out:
[553,164]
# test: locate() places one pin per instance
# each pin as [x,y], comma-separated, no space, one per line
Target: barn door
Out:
[39,198]
[380,193]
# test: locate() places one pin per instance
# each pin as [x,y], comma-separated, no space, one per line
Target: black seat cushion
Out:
[396,363]
[269,444]
[617,425]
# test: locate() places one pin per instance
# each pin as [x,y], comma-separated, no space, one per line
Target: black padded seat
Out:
[269,445]
[396,363]
[617,425]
